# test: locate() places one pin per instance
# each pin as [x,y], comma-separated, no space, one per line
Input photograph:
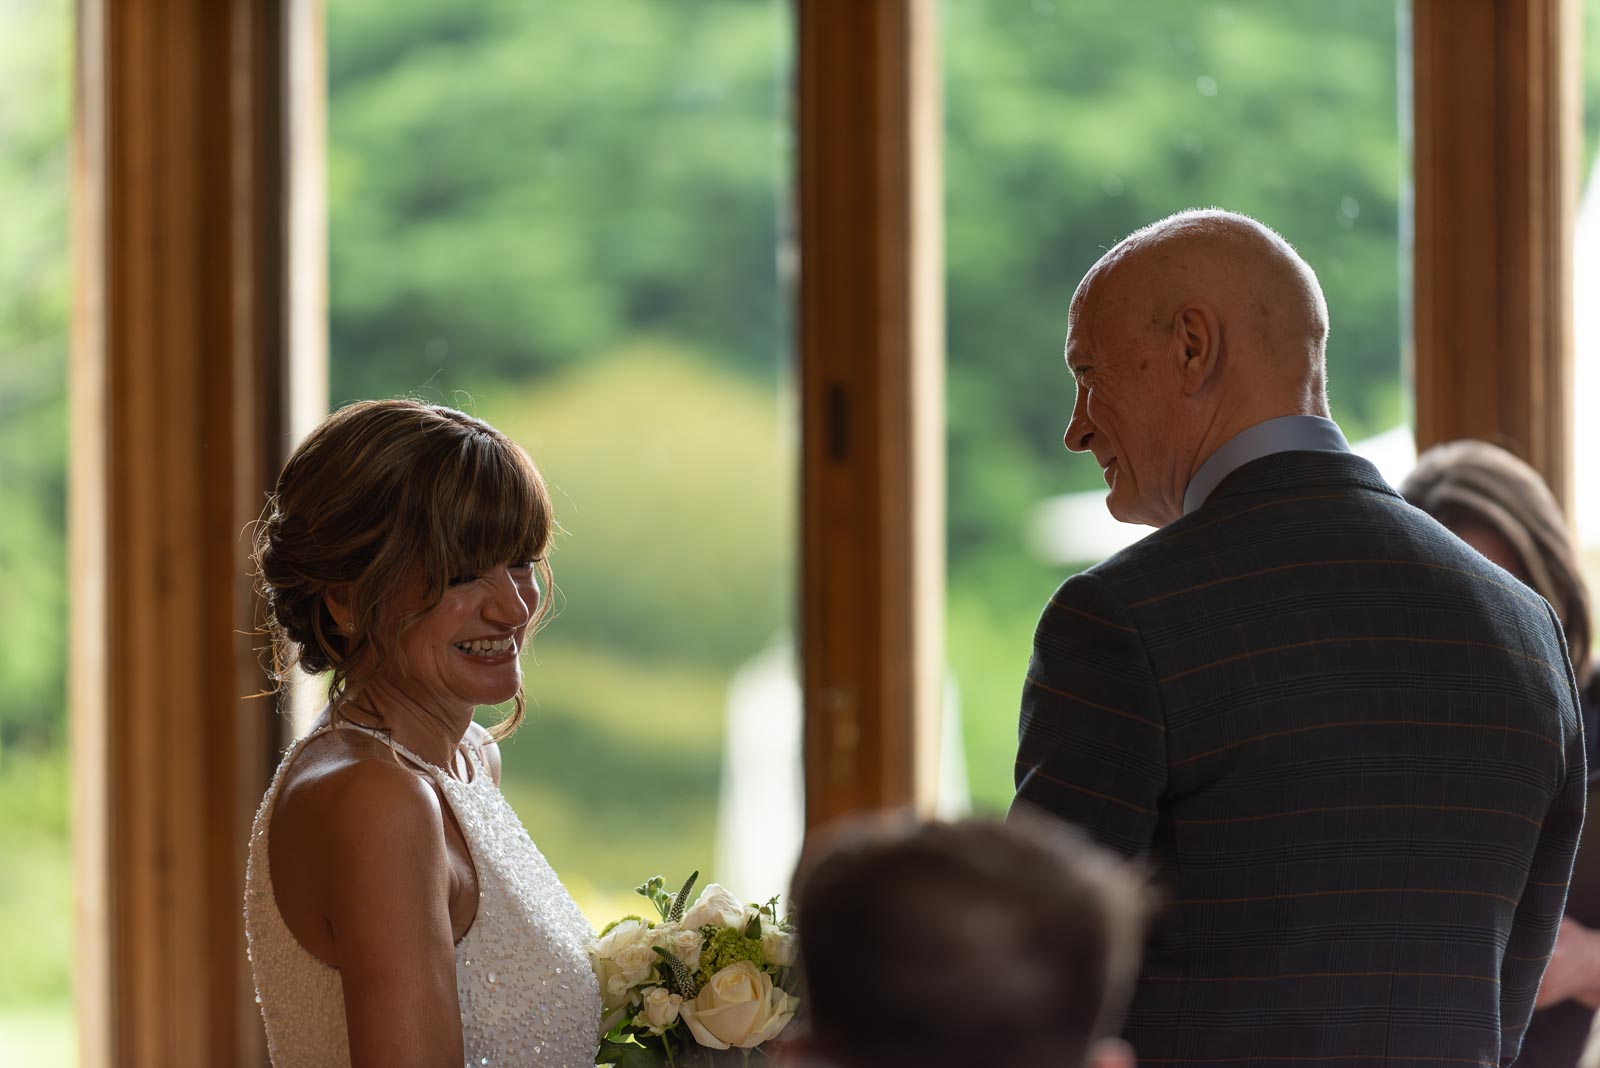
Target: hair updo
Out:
[380,495]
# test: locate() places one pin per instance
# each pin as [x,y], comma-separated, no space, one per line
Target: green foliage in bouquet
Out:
[708,985]
[726,946]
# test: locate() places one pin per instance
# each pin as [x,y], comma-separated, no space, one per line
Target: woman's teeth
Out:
[484,647]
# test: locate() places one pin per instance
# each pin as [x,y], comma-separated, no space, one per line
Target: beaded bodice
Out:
[528,996]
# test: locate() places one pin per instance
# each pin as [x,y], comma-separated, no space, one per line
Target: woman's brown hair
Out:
[381,494]
[1466,483]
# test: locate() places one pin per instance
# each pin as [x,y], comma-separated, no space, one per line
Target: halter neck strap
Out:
[384,737]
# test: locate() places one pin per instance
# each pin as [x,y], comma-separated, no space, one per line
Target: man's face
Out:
[1122,414]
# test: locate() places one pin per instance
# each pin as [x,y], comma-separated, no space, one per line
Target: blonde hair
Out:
[382,494]
[1465,483]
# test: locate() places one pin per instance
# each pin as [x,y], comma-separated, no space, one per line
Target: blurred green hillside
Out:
[671,571]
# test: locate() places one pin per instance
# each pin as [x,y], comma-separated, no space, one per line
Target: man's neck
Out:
[1228,422]
[1299,432]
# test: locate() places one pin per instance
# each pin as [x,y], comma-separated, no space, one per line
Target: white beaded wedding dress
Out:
[528,995]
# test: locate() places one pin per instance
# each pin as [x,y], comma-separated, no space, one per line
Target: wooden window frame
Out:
[872,403]
[1497,113]
[196,358]
[179,400]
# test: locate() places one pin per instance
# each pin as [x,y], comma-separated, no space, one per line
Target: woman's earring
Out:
[350,628]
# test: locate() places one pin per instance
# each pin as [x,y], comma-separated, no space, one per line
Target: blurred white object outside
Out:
[761,811]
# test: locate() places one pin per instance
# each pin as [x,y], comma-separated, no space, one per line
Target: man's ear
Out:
[1110,1053]
[1196,345]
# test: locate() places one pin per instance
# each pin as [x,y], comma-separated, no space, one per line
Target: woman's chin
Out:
[477,692]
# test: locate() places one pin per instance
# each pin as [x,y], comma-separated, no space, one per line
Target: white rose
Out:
[636,961]
[659,1010]
[738,1007]
[777,946]
[621,959]
[684,943]
[715,906]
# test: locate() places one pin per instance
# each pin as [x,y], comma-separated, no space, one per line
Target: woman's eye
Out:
[461,580]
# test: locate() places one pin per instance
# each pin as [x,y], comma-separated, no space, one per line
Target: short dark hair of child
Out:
[968,943]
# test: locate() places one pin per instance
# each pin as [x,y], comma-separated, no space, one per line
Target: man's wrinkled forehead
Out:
[1075,351]
[1089,298]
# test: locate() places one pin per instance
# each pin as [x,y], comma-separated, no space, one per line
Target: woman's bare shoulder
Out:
[348,793]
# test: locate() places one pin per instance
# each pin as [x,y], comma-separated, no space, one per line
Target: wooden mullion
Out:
[1497,140]
[871,374]
[178,411]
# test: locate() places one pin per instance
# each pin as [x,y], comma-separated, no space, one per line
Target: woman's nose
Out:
[513,601]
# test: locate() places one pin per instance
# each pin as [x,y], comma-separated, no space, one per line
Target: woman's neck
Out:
[428,730]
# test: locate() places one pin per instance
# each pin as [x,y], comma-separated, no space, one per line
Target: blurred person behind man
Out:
[967,944]
[1348,744]
[1500,506]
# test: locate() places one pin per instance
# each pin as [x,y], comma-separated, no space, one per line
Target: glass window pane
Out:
[1069,125]
[561,218]
[36,892]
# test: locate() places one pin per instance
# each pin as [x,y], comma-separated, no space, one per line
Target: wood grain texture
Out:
[871,387]
[1497,138]
[178,400]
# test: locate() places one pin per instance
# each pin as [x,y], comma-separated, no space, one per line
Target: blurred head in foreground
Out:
[1501,507]
[967,944]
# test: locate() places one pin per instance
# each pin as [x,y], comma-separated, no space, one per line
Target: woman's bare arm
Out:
[387,901]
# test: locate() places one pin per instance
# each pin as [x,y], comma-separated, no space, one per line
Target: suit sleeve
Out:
[1092,740]
[1544,896]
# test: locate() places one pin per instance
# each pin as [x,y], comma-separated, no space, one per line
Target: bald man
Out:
[1347,743]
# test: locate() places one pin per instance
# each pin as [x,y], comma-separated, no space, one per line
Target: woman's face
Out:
[465,650]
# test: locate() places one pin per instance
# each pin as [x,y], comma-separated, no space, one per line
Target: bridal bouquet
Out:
[714,975]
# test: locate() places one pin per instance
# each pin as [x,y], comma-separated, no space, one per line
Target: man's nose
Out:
[1079,431]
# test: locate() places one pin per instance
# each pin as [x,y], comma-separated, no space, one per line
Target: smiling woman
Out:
[396,908]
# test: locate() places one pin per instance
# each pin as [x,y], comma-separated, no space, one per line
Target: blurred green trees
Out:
[516,187]
[35,857]
[568,218]
[35,112]
[527,199]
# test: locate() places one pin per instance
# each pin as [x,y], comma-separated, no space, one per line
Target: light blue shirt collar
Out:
[1287,433]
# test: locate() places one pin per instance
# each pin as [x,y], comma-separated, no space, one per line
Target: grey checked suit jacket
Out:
[1349,747]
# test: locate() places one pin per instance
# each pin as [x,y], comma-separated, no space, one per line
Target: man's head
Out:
[955,945]
[1184,334]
